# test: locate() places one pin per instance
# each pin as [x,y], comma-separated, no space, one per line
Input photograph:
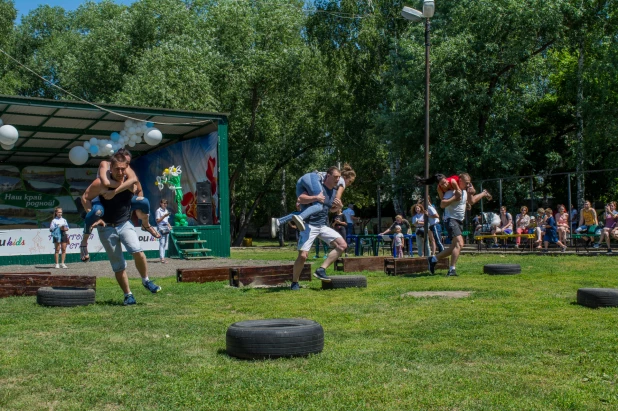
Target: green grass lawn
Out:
[519,343]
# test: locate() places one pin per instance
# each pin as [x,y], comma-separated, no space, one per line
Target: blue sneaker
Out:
[295,287]
[320,274]
[451,273]
[129,300]
[432,264]
[152,287]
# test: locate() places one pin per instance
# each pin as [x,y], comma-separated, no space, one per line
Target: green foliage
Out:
[310,85]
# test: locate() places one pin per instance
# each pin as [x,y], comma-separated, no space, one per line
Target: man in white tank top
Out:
[454,205]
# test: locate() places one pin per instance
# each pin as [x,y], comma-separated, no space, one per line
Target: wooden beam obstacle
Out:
[27,284]
[243,276]
[399,266]
[354,264]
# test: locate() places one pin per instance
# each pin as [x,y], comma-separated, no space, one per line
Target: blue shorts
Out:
[113,238]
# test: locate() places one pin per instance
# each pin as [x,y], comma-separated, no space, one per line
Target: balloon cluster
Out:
[8,136]
[131,135]
[171,177]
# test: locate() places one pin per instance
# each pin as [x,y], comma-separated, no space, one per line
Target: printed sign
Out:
[29,199]
[39,241]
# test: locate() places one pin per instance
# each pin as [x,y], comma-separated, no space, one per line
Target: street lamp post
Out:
[416,16]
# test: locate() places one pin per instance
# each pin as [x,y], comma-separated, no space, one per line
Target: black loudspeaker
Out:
[203,192]
[204,214]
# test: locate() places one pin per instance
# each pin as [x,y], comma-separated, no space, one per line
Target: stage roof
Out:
[48,129]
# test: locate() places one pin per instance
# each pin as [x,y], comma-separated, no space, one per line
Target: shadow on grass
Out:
[110,302]
[418,275]
[265,289]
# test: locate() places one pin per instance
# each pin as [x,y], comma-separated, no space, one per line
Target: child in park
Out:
[551,231]
[59,227]
[311,184]
[446,183]
[398,241]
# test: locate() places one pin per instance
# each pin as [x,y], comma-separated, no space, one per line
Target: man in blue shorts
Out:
[119,231]
[317,226]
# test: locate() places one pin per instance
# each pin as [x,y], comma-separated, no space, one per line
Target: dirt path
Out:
[155,268]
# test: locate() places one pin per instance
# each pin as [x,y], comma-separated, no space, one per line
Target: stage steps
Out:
[189,245]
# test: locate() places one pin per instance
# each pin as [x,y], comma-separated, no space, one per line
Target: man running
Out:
[119,231]
[317,226]
[454,204]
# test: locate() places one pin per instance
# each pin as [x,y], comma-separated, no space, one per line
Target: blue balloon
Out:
[115,136]
[94,149]
[149,124]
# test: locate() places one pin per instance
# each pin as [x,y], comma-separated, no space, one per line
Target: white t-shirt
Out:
[432,211]
[159,214]
[322,175]
[348,212]
[58,222]
[457,209]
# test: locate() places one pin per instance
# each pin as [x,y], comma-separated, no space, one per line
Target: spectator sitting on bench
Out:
[587,218]
[540,226]
[522,221]
[505,227]
[551,234]
[562,221]
[610,225]
[573,218]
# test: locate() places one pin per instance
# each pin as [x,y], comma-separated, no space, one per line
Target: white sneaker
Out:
[299,222]
[57,266]
[64,266]
[274,227]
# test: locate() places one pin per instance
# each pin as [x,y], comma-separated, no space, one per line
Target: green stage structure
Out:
[48,129]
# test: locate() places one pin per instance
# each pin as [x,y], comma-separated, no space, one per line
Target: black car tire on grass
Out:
[64,296]
[502,269]
[274,338]
[597,297]
[345,281]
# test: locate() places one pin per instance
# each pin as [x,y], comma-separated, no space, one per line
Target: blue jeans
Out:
[163,245]
[98,211]
[309,183]
[435,229]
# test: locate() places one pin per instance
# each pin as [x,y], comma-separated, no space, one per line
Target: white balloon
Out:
[153,136]
[1,122]
[131,143]
[128,123]
[123,133]
[7,146]
[93,141]
[108,146]
[78,155]
[144,127]
[87,145]
[132,130]
[8,135]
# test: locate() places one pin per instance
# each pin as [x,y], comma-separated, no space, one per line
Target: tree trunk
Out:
[579,118]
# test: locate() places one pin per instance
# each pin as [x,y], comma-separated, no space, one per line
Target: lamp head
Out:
[411,14]
[428,8]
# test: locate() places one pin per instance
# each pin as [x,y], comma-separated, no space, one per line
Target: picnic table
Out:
[374,241]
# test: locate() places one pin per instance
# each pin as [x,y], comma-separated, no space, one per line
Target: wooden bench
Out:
[266,275]
[27,284]
[399,266]
[242,276]
[480,238]
[353,264]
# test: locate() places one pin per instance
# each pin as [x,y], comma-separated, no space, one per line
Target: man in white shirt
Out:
[350,218]
[454,205]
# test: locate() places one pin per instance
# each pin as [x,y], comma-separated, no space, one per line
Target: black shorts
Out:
[64,238]
[454,228]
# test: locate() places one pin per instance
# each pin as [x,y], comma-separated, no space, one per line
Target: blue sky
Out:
[24,6]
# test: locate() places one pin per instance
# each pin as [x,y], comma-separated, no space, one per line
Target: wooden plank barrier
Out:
[242,276]
[27,284]
[202,275]
[353,264]
[266,275]
[399,266]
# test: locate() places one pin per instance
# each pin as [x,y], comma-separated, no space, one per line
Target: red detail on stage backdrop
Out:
[210,175]
[189,202]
